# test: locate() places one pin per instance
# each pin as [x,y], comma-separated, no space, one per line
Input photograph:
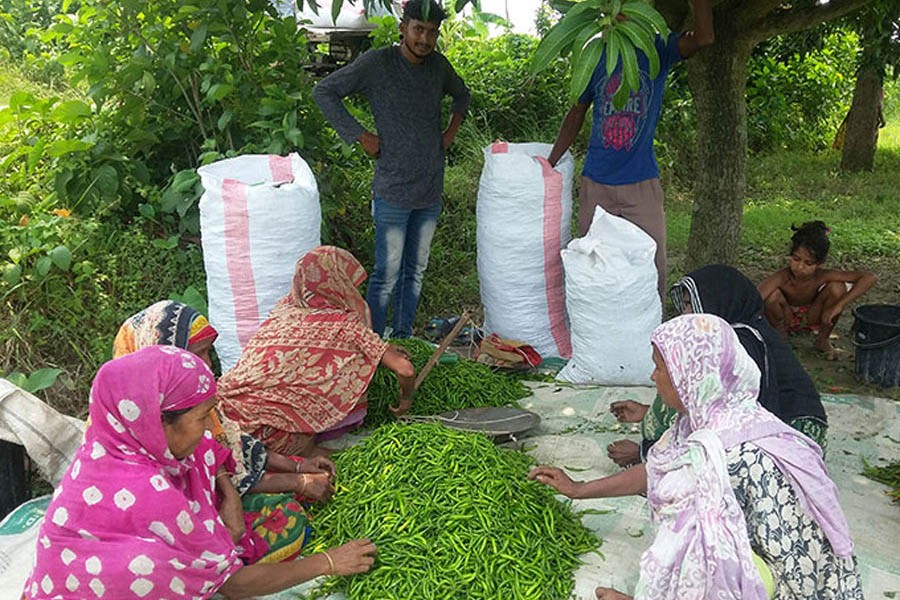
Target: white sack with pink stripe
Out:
[258,215]
[524,215]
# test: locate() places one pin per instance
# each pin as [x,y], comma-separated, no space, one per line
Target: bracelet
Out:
[223,474]
[330,561]
[297,465]
[302,484]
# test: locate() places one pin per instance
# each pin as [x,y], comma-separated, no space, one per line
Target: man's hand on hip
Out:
[370,143]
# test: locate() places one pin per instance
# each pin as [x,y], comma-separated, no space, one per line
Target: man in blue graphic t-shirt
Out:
[620,172]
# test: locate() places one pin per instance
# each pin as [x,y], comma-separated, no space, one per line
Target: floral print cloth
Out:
[702,548]
[307,368]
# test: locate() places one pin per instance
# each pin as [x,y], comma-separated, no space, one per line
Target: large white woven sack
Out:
[258,215]
[613,303]
[524,215]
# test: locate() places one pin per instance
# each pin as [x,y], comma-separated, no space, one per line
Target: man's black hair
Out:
[415,9]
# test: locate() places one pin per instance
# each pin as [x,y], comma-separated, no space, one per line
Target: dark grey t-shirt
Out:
[406,103]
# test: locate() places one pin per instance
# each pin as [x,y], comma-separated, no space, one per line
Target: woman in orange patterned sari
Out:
[303,376]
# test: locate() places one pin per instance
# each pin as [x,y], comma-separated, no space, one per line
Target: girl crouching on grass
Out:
[806,297]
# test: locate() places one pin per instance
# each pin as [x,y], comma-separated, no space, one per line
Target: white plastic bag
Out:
[613,303]
[524,216]
[258,215]
[18,545]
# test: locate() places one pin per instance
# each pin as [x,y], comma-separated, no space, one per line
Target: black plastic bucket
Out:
[876,335]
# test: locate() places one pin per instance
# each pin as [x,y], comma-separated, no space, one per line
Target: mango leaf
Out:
[70,111]
[336,9]
[61,257]
[636,9]
[559,40]
[587,63]
[643,42]
[41,380]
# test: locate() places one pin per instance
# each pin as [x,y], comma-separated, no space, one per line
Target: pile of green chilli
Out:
[449,386]
[888,475]
[453,516]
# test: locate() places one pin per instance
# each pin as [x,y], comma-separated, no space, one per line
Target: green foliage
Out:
[37,381]
[386,31]
[508,101]
[798,100]
[889,475]
[589,27]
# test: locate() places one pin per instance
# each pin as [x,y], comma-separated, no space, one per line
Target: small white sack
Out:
[613,303]
[18,545]
[258,215]
[524,216]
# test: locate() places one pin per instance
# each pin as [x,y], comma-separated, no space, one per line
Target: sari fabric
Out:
[170,323]
[129,519]
[166,323]
[702,548]
[306,370]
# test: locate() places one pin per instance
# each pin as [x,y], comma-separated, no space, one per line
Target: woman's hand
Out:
[557,479]
[624,453]
[354,557]
[603,593]
[628,411]
[315,486]
[403,406]
[318,464]
[232,514]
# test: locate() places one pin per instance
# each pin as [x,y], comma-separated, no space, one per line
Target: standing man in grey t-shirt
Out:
[404,85]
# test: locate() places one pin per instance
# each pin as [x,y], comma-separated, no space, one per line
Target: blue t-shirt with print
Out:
[621,146]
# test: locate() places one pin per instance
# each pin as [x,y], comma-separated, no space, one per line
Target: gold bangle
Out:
[223,474]
[330,561]
[302,483]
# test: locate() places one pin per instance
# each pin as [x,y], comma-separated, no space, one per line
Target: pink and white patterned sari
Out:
[129,520]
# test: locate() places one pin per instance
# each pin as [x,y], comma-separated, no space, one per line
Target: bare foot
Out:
[624,453]
[829,352]
[603,593]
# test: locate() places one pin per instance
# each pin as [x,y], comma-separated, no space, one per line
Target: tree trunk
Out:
[718,78]
[861,135]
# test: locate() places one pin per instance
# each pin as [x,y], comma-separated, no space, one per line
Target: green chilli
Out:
[449,386]
[453,516]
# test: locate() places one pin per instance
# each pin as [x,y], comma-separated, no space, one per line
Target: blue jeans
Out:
[402,245]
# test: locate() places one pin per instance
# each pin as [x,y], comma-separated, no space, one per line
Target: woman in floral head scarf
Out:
[728,480]
[303,376]
[134,514]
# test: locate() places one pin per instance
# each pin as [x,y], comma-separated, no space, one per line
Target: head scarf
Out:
[787,389]
[129,518]
[700,522]
[328,277]
[166,323]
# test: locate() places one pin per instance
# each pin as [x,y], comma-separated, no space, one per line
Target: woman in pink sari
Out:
[134,514]
[729,480]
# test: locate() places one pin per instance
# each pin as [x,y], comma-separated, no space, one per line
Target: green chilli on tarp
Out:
[451,385]
[453,516]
